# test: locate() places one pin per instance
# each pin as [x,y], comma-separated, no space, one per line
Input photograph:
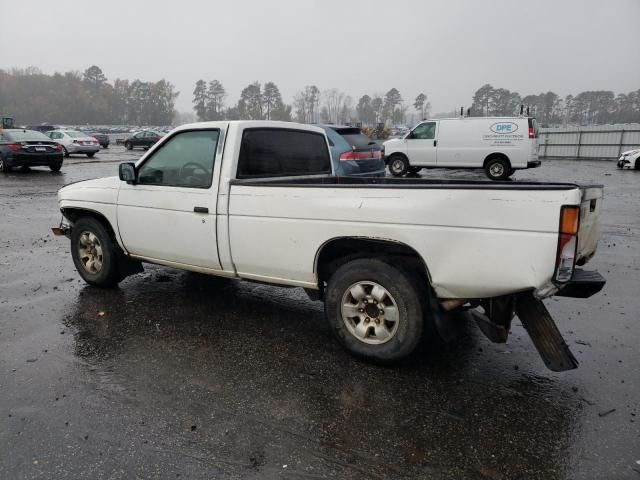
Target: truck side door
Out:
[169,214]
[422,144]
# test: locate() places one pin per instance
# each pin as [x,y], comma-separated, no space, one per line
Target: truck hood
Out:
[394,144]
[103,190]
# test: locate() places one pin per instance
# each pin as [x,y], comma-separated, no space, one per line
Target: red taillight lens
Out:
[95,142]
[532,133]
[567,243]
[14,147]
[57,147]
[367,155]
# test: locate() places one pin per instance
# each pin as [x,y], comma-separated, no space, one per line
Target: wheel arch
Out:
[74,213]
[493,155]
[338,250]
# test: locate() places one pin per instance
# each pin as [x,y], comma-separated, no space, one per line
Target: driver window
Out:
[185,160]
[424,131]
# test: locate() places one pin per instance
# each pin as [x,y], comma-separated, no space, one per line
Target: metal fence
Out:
[601,141]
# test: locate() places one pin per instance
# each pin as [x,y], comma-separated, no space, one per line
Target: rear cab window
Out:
[275,152]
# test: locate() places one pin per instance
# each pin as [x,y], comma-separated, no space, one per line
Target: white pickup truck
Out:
[391,258]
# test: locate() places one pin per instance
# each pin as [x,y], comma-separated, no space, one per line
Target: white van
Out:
[500,145]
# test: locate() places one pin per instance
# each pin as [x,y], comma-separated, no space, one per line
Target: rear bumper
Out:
[583,284]
[34,160]
[74,148]
[533,164]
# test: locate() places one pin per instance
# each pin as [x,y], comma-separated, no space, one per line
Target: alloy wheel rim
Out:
[497,169]
[370,312]
[397,166]
[90,252]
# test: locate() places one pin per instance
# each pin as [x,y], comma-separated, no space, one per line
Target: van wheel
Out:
[375,310]
[497,168]
[94,253]
[398,165]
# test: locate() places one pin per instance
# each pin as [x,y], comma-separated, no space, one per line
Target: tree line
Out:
[310,105]
[88,97]
[586,108]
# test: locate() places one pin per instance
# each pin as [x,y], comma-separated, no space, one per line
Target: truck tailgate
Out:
[589,233]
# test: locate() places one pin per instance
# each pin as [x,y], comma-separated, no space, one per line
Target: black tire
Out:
[637,164]
[405,294]
[128,145]
[398,165]
[55,167]
[90,155]
[107,275]
[106,145]
[4,167]
[66,153]
[497,168]
[414,170]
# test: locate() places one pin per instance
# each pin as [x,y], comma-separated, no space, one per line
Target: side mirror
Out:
[127,172]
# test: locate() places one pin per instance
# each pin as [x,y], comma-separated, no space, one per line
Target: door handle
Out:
[201,209]
[435,142]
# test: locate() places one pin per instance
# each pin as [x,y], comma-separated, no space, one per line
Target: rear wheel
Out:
[497,168]
[55,167]
[4,167]
[90,155]
[375,310]
[398,165]
[94,253]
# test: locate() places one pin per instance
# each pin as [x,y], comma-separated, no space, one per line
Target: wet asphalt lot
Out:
[178,376]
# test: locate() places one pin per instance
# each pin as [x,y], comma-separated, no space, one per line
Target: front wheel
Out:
[94,253]
[375,310]
[398,165]
[497,168]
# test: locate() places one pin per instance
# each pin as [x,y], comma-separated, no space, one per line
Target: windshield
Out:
[27,136]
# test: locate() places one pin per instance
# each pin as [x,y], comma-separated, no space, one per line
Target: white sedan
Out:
[73,141]
[630,159]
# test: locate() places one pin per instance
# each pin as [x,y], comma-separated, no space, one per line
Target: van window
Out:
[533,123]
[275,152]
[424,131]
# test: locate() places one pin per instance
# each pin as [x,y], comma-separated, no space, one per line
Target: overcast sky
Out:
[446,49]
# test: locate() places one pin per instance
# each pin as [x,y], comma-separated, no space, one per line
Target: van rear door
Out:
[534,133]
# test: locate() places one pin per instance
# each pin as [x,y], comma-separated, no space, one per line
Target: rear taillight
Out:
[567,243]
[57,147]
[14,147]
[95,142]
[368,155]
[532,133]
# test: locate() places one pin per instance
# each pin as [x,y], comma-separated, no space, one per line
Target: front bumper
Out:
[624,162]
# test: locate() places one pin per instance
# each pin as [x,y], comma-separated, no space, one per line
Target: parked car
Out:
[630,160]
[500,145]
[388,258]
[44,128]
[73,141]
[103,138]
[353,153]
[28,148]
[143,139]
